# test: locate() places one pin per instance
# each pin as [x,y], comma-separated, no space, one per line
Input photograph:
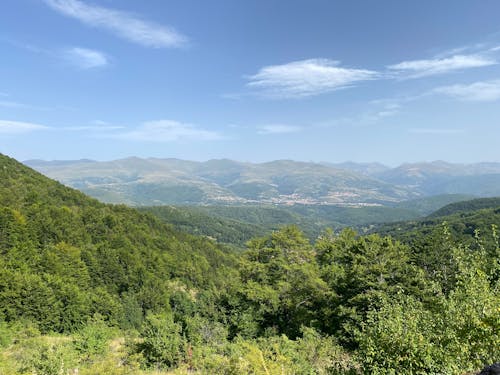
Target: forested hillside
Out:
[469,221]
[91,288]
[80,257]
[237,224]
[467,206]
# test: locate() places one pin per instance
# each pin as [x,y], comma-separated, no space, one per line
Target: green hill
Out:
[427,205]
[237,224]
[66,257]
[92,288]
[467,206]
[465,220]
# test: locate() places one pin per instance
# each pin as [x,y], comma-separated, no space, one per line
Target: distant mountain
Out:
[152,181]
[368,169]
[149,182]
[439,177]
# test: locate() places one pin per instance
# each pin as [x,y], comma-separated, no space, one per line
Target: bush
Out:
[40,356]
[92,340]
[162,345]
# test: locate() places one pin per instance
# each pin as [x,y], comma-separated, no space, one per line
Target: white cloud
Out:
[306,78]
[168,131]
[125,25]
[11,104]
[422,68]
[435,131]
[278,129]
[93,127]
[84,58]
[17,105]
[387,113]
[483,91]
[16,127]
[99,122]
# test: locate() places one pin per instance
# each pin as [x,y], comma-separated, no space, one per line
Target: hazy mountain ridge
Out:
[439,177]
[171,181]
[155,181]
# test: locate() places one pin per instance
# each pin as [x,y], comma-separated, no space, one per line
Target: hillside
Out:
[463,220]
[89,257]
[467,206]
[236,224]
[427,205]
[92,288]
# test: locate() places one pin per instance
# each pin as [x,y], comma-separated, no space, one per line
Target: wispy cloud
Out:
[11,104]
[278,129]
[306,78]
[82,58]
[92,128]
[168,131]
[17,105]
[85,58]
[16,127]
[483,91]
[435,131]
[422,68]
[122,24]
[96,125]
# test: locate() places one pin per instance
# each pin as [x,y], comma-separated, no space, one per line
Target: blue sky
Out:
[316,80]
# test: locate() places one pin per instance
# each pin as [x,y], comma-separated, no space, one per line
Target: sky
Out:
[251,80]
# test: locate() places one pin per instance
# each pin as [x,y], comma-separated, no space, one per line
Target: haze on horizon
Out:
[390,82]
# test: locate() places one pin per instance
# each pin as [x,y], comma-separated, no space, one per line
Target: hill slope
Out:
[467,206]
[237,224]
[66,257]
[464,220]
[342,304]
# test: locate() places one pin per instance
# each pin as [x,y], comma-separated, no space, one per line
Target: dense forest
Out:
[91,288]
[236,224]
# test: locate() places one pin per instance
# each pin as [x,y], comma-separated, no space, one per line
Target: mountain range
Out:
[153,181]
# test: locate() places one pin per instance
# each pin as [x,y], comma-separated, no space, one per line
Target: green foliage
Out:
[345,304]
[462,226]
[467,206]
[399,335]
[162,345]
[65,257]
[236,225]
[361,271]
[92,340]
[456,334]
[281,281]
[428,205]
[6,334]
[40,356]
